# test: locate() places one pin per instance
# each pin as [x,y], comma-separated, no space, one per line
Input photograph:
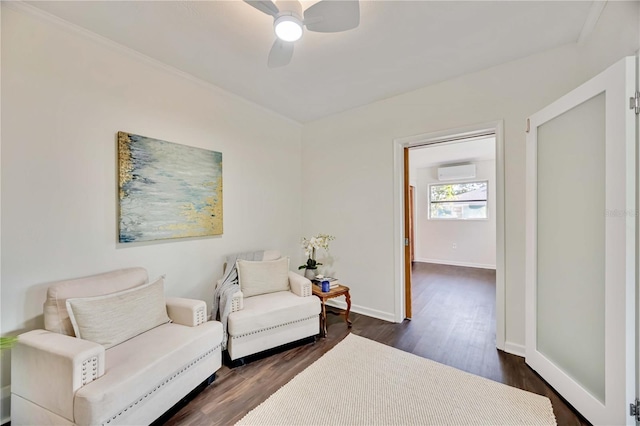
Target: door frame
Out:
[399,144]
[407,210]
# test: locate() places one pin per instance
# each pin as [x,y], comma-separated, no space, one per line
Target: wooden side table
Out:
[340,290]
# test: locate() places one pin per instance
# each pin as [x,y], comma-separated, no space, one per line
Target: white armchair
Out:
[275,317]
[58,378]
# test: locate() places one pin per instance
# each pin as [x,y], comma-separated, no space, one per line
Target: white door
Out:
[581,246]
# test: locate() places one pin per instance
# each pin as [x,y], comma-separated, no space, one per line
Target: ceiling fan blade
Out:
[265,6]
[280,54]
[332,16]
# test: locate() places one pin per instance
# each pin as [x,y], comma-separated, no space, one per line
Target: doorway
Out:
[452,242]
[401,190]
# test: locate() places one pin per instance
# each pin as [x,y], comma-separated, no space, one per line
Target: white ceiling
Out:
[399,45]
[466,151]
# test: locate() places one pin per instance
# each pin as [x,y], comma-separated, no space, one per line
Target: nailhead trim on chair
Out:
[200,316]
[92,374]
[235,304]
[167,380]
[271,328]
[306,290]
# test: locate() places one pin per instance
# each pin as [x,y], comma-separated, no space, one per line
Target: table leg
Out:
[346,314]
[323,320]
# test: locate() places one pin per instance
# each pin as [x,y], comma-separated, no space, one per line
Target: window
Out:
[459,201]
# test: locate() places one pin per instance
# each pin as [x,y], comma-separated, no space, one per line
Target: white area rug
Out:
[362,382]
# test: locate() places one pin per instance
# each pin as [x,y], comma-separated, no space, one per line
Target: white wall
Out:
[475,240]
[352,172]
[64,97]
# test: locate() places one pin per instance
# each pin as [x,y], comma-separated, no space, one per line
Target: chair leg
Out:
[233,363]
[238,362]
[211,379]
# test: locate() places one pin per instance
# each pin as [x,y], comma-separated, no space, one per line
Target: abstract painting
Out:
[167,190]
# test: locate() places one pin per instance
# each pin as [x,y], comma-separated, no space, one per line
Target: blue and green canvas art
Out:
[167,190]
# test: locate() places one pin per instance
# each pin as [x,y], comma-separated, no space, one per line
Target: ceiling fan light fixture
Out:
[288,28]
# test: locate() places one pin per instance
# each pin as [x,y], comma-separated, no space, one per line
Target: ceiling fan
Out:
[326,16]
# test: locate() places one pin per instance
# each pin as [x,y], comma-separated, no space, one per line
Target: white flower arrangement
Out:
[320,241]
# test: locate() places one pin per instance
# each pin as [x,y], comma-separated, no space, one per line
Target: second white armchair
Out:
[274,307]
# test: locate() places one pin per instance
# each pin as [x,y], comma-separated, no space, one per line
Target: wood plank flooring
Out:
[453,323]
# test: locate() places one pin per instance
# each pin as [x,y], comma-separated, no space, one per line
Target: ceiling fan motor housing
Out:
[289,7]
[288,22]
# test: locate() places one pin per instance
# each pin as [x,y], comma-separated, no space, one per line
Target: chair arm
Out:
[189,312]
[237,301]
[299,285]
[48,368]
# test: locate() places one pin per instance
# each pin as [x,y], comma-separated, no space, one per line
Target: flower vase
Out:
[310,273]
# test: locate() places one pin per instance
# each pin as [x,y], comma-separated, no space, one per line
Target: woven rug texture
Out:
[362,382]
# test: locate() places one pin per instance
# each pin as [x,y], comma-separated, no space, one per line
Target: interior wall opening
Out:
[452,246]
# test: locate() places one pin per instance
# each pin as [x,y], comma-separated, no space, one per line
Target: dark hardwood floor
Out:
[453,323]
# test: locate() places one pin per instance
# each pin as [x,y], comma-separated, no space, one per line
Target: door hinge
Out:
[406,242]
[634,102]
[634,410]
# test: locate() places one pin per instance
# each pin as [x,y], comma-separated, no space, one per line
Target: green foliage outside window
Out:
[466,200]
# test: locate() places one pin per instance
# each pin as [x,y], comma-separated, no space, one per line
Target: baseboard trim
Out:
[456,263]
[385,316]
[514,349]
[5,394]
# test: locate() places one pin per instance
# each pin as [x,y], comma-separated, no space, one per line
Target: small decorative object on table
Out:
[319,278]
[310,246]
[325,283]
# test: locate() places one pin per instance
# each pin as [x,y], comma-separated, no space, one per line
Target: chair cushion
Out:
[263,276]
[56,317]
[141,365]
[114,318]
[271,310]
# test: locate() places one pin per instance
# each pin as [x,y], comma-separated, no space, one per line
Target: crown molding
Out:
[592,19]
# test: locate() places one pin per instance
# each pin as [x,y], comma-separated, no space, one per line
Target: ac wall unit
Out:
[466,171]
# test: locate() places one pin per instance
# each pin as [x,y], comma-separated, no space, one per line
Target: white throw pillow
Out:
[263,277]
[113,318]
